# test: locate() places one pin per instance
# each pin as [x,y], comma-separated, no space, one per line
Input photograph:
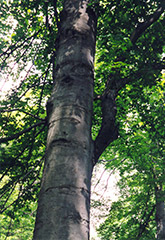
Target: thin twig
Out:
[18,46]
[106,160]
[8,229]
[20,110]
[99,179]
[17,135]
[21,193]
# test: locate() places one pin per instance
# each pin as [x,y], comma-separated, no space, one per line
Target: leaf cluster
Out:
[28,33]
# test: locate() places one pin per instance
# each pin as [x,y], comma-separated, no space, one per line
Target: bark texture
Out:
[160,214]
[64,201]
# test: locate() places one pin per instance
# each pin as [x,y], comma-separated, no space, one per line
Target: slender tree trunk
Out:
[64,200]
[160,214]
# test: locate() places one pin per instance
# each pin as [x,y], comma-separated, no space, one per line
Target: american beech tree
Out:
[60,39]
[63,207]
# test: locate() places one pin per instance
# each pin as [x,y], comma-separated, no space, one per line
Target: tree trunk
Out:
[64,200]
[160,214]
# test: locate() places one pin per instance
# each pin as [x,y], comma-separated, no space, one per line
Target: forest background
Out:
[129,58]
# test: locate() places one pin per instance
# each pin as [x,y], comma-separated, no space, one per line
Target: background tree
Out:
[137,214]
[128,59]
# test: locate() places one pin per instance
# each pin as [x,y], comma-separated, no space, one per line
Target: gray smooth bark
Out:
[64,200]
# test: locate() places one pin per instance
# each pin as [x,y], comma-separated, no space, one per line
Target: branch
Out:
[109,130]
[10,193]
[35,83]
[12,48]
[144,225]
[20,110]
[11,164]
[56,13]
[143,26]
[24,189]
[106,160]
[17,135]
[9,228]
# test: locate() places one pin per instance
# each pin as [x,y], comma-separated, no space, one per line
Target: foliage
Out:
[27,57]
[141,141]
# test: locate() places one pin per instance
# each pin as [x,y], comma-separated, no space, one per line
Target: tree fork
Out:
[64,200]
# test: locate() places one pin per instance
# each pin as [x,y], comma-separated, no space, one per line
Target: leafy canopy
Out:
[130,62]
